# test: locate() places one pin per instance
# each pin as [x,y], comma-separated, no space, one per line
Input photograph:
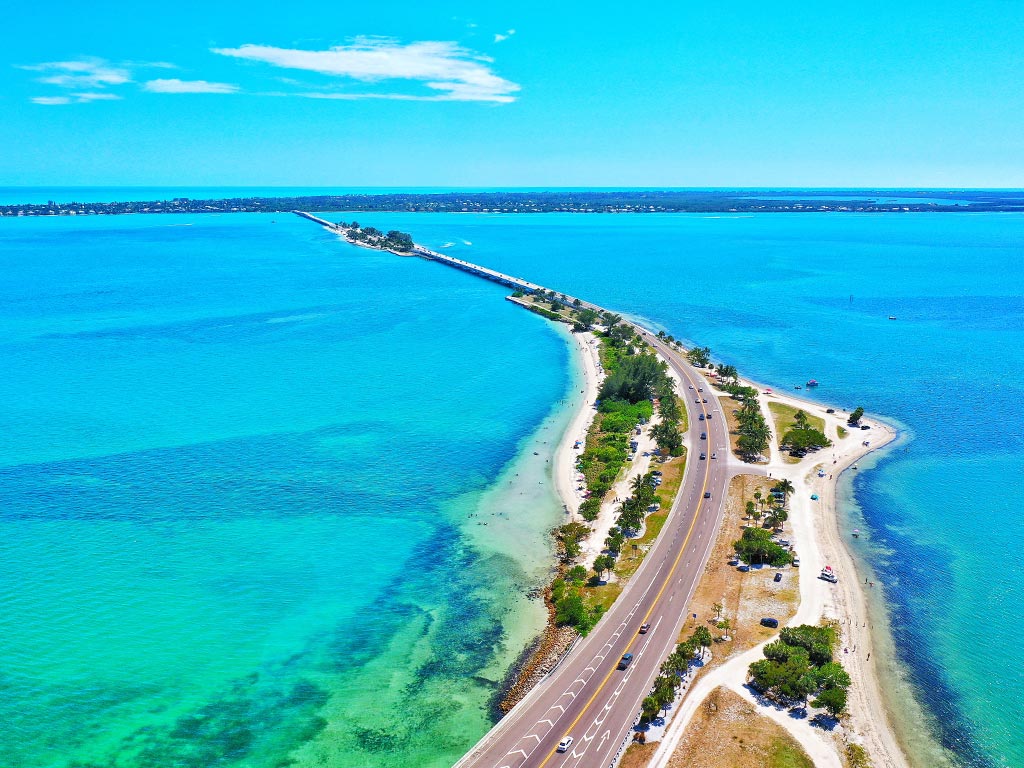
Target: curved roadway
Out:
[586,696]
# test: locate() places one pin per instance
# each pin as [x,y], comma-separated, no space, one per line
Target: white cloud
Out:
[51,100]
[452,72]
[174,85]
[75,98]
[83,73]
[86,97]
[499,36]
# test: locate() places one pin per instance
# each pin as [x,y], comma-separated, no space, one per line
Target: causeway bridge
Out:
[515,283]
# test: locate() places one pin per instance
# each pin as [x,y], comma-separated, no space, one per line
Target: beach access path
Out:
[817,539]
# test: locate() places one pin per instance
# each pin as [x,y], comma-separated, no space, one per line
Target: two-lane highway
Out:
[587,697]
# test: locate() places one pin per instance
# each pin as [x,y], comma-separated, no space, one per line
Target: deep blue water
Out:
[163,400]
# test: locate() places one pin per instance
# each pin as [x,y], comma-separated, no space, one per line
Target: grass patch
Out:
[671,479]
[729,408]
[785,417]
[841,431]
[726,732]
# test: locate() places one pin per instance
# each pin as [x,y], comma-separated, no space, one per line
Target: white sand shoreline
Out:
[818,540]
[816,525]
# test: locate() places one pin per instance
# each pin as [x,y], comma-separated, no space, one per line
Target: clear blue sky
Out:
[513,94]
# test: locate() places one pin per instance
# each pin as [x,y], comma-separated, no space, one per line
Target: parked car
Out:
[645,628]
[778,577]
[743,568]
[830,410]
[626,660]
[770,622]
[564,744]
[865,426]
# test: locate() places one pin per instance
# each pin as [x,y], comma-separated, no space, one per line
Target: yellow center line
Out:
[657,598]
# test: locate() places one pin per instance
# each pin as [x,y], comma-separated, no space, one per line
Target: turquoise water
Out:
[789,298]
[243,475]
[233,525]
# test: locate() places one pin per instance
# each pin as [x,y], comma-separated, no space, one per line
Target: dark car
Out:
[769,622]
[703,435]
[627,658]
[830,410]
[704,399]
[778,577]
[645,628]
[709,417]
[865,426]
[707,494]
[703,456]
[701,417]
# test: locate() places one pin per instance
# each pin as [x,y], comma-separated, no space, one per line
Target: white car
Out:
[564,744]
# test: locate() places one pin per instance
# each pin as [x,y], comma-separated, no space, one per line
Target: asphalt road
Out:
[587,697]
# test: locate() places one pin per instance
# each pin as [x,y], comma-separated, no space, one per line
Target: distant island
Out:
[564,201]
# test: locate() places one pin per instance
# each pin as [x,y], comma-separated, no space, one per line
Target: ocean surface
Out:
[244,467]
[248,480]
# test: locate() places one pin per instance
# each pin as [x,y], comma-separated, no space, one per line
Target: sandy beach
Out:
[819,540]
[586,346]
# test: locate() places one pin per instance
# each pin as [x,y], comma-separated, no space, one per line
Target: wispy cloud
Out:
[75,98]
[499,36]
[82,73]
[84,97]
[174,85]
[449,71]
[51,101]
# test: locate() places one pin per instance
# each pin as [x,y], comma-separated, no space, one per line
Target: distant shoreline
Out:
[557,201]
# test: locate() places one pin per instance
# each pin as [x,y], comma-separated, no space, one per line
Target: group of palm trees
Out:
[666,685]
[769,507]
[754,432]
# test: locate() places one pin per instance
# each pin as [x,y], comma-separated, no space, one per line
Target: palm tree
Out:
[786,487]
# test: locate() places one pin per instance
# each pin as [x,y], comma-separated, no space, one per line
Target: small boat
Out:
[812,383]
[892,317]
[856,533]
[797,387]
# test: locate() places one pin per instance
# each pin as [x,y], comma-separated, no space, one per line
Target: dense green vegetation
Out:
[855,417]
[666,685]
[570,608]
[754,432]
[700,356]
[803,438]
[392,241]
[756,546]
[799,665]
